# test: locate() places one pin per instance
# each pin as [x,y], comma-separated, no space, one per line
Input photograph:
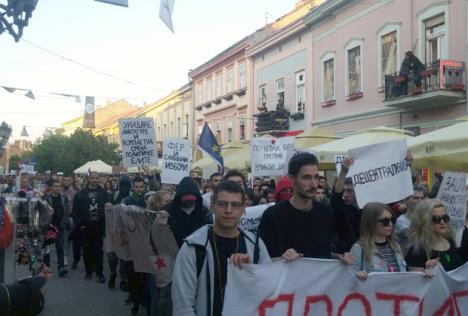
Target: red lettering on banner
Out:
[446,307]
[312,299]
[455,302]
[355,296]
[397,300]
[421,307]
[287,298]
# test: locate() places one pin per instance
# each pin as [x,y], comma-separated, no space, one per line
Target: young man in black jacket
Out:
[89,215]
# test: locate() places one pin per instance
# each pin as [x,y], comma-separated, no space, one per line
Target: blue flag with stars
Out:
[209,145]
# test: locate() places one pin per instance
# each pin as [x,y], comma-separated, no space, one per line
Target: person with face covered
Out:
[284,189]
[186,210]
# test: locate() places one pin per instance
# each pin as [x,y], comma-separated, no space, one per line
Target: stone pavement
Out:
[74,296]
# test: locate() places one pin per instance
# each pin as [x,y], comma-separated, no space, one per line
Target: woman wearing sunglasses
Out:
[376,250]
[430,239]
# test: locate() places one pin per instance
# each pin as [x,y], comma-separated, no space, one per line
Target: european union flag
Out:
[209,145]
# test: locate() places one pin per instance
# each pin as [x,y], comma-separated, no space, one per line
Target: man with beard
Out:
[300,226]
[89,216]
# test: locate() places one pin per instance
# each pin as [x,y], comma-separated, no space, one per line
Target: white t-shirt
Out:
[402,223]
[207,199]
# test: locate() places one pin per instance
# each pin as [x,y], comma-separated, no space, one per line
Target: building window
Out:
[353,69]
[171,132]
[179,128]
[280,91]
[209,89]
[229,130]
[241,128]
[434,31]
[218,131]
[186,127]
[388,50]
[262,98]
[389,54]
[219,84]
[242,75]
[329,79]
[300,91]
[230,80]
[165,129]
[199,93]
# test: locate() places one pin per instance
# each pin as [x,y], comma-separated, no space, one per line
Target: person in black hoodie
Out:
[186,210]
[89,216]
[123,191]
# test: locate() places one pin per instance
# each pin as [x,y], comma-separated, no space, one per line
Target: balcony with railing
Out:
[441,83]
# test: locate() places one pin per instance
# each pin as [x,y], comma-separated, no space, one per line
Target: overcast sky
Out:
[130,43]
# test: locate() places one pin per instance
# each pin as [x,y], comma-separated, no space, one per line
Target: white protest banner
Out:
[338,160]
[452,193]
[176,160]
[252,217]
[29,169]
[127,234]
[138,142]
[269,155]
[381,173]
[329,287]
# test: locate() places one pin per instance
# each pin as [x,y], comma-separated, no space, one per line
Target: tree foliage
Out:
[13,162]
[66,153]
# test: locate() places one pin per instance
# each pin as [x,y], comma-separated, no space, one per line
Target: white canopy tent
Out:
[96,166]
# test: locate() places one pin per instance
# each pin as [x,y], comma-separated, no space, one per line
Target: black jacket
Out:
[81,211]
[181,223]
[347,221]
[125,185]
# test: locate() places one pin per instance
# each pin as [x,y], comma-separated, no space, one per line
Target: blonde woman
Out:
[430,238]
[376,250]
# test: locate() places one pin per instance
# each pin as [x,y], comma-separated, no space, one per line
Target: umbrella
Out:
[313,137]
[95,165]
[235,156]
[443,149]
[327,152]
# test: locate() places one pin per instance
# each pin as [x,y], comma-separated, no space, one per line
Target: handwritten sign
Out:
[176,160]
[381,173]
[138,142]
[452,193]
[309,287]
[269,156]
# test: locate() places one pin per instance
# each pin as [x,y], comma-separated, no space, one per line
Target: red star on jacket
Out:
[160,263]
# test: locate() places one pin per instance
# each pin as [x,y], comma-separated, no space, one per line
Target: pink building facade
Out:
[356,45]
[338,65]
[220,95]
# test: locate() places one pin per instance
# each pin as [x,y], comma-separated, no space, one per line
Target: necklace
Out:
[221,285]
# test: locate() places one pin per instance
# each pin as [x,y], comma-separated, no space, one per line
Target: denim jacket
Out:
[379,264]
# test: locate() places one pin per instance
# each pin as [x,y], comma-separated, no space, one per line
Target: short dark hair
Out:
[234,173]
[138,179]
[230,187]
[322,178]
[50,183]
[348,180]
[300,160]
[216,174]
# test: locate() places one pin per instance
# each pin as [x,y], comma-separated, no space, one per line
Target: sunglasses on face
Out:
[437,219]
[387,220]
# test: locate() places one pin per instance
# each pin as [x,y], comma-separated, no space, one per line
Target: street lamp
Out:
[5,132]
[19,11]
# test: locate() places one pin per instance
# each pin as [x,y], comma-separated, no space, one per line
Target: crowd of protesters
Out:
[304,217]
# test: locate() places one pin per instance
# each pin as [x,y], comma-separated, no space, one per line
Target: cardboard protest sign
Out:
[138,142]
[252,217]
[452,193]
[309,287]
[269,155]
[381,173]
[117,239]
[176,160]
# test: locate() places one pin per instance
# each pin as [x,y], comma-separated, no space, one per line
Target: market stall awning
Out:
[313,137]
[96,166]
[327,152]
[443,149]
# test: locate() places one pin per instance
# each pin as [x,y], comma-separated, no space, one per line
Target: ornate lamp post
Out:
[18,12]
